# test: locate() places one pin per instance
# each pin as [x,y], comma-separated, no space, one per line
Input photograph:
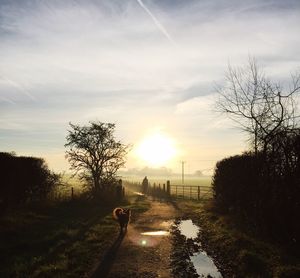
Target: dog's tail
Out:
[117,212]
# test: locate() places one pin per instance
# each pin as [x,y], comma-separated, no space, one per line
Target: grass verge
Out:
[64,239]
[236,251]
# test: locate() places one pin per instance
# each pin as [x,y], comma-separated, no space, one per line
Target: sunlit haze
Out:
[143,65]
[156,150]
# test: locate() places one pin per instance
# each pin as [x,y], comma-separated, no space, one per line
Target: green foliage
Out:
[261,192]
[288,272]
[236,182]
[24,179]
[253,264]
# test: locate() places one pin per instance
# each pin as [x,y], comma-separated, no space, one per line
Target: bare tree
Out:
[262,108]
[262,186]
[94,153]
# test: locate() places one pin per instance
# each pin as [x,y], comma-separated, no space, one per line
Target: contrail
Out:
[156,22]
[4,99]
[19,87]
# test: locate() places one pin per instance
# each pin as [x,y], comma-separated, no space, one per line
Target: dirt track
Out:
[138,255]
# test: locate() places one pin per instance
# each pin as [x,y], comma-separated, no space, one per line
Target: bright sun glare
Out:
[156,149]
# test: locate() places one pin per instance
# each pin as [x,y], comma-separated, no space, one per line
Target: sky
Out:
[146,65]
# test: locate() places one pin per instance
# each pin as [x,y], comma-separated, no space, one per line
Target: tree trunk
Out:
[96,183]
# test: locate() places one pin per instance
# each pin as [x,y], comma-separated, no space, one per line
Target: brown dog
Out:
[123,217]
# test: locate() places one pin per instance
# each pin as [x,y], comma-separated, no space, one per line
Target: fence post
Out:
[72,193]
[168,188]
[190,192]
[164,186]
[119,190]
[198,193]
[183,191]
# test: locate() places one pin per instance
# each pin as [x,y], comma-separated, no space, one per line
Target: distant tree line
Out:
[24,179]
[262,186]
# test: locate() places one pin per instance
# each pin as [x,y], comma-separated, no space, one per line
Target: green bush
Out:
[24,179]
[288,272]
[253,264]
[262,193]
[236,183]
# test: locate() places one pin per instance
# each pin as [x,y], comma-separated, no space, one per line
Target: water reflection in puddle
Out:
[203,264]
[188,229]
[151,238]
[138,193]
[148,237]
[156,233]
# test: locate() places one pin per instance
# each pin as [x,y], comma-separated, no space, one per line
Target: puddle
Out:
[156,233]
[203,264]
[150,235]
[164,225]
[138,193]
[188,229]
[151,238]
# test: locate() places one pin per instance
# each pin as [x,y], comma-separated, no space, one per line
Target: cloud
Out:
[83,60]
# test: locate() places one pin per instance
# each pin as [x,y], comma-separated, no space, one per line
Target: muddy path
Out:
[144,251]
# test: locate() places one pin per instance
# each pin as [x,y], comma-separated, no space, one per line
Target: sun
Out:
[156,149]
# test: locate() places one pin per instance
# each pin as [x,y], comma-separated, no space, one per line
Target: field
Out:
[199,181]
[64,191]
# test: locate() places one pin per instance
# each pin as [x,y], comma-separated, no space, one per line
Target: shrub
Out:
[253,264]
[236,182]
[266,199]
[24,179]
[288,272]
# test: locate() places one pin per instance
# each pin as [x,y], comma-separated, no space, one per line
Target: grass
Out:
[61,239]
[64,190]
[237,251]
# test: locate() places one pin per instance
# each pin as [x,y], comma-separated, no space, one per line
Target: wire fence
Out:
[178,191]
[190,191]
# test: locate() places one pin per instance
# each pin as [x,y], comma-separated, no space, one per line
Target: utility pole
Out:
[182,171]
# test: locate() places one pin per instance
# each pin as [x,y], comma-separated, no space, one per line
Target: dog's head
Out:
[127,212]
